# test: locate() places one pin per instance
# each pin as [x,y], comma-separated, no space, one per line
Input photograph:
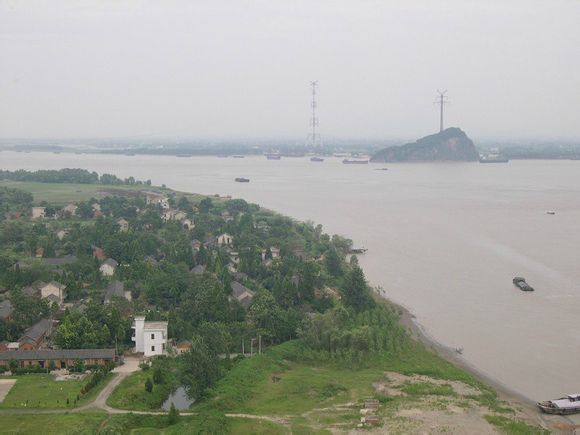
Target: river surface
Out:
[444,240]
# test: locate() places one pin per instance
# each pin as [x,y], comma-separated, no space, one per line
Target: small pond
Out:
[179,399]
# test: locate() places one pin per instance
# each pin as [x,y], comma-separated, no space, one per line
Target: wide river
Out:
[444,240]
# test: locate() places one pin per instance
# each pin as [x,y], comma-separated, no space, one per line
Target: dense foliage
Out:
[67,175]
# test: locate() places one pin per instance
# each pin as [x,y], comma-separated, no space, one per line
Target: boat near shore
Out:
[562,406]
[316,159]
[521,283]
[273,156]
[242,180]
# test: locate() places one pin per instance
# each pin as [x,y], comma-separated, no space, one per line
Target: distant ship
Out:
[492,158]
[316,159]
[238,157]
[273,156]
[355,162]
[242,180]
[563,406]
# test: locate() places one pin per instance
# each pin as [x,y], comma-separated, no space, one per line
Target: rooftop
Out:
[48,354]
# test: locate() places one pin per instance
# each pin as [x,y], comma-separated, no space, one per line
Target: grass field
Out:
[42,391]
[61,193]
[131,394]
[100,422]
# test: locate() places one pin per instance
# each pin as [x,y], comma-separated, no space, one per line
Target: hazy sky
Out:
[226,69]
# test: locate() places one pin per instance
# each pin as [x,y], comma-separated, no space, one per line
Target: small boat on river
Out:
[521,283]
[242,180]
[316,159]
[562,406]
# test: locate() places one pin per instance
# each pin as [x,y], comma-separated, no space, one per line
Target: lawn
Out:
[92,422]
[131,394]
[42,391]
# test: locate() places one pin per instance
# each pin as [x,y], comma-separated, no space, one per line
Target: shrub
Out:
[157,375]
[148,385]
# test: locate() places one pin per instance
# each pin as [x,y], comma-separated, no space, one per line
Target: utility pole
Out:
[260,344]
[441,100]
[313,138]
[243,351]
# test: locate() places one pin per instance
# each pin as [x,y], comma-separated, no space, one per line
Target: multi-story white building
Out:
[149,337]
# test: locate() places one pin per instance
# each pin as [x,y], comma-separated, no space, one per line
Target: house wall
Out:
[154,342]
[50,289]
[107,270]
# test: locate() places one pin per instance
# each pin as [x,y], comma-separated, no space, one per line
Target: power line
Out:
[442,99]
[314,138]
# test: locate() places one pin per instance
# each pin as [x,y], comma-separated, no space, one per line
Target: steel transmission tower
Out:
[314,138]
[441,100]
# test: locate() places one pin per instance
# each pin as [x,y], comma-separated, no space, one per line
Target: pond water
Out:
[179,398]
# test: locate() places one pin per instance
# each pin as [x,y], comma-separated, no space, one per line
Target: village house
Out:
[195,245]
[182,346]
[6,309]
[34,337]
[70,210]
[53,288]
[188,224]
[226,216]
[150,337]
[38,212]
[275,252]
[96,210]
[123,225]
[156,198]
[198,270]
[55,263]
[61,234]
[173,215]
[39,252]
[235,258]
[116,290]
[99,253]
[108,267]
[225,239]
[62,358]
[244,295]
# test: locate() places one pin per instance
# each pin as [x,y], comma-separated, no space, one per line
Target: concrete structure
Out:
[150,337]
[108,267]
[188,224]
[34,336]
[62,358]
[55,289]
[70,209]
[244,295]
[156,198]
[38,212]
[123,225]
[116,290]
[225,239]
[6,310]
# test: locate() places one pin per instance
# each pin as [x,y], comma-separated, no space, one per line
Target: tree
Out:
[148,385]
[173,415]
[355,291]
[201,367]
[333,263]
[205,205]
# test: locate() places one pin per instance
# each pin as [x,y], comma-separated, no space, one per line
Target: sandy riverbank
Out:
[525,408]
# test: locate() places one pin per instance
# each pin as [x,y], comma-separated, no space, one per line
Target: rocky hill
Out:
[452,144]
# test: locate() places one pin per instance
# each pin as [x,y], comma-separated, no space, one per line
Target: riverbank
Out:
[526,409]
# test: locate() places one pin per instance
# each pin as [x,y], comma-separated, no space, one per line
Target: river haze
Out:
[444,240]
